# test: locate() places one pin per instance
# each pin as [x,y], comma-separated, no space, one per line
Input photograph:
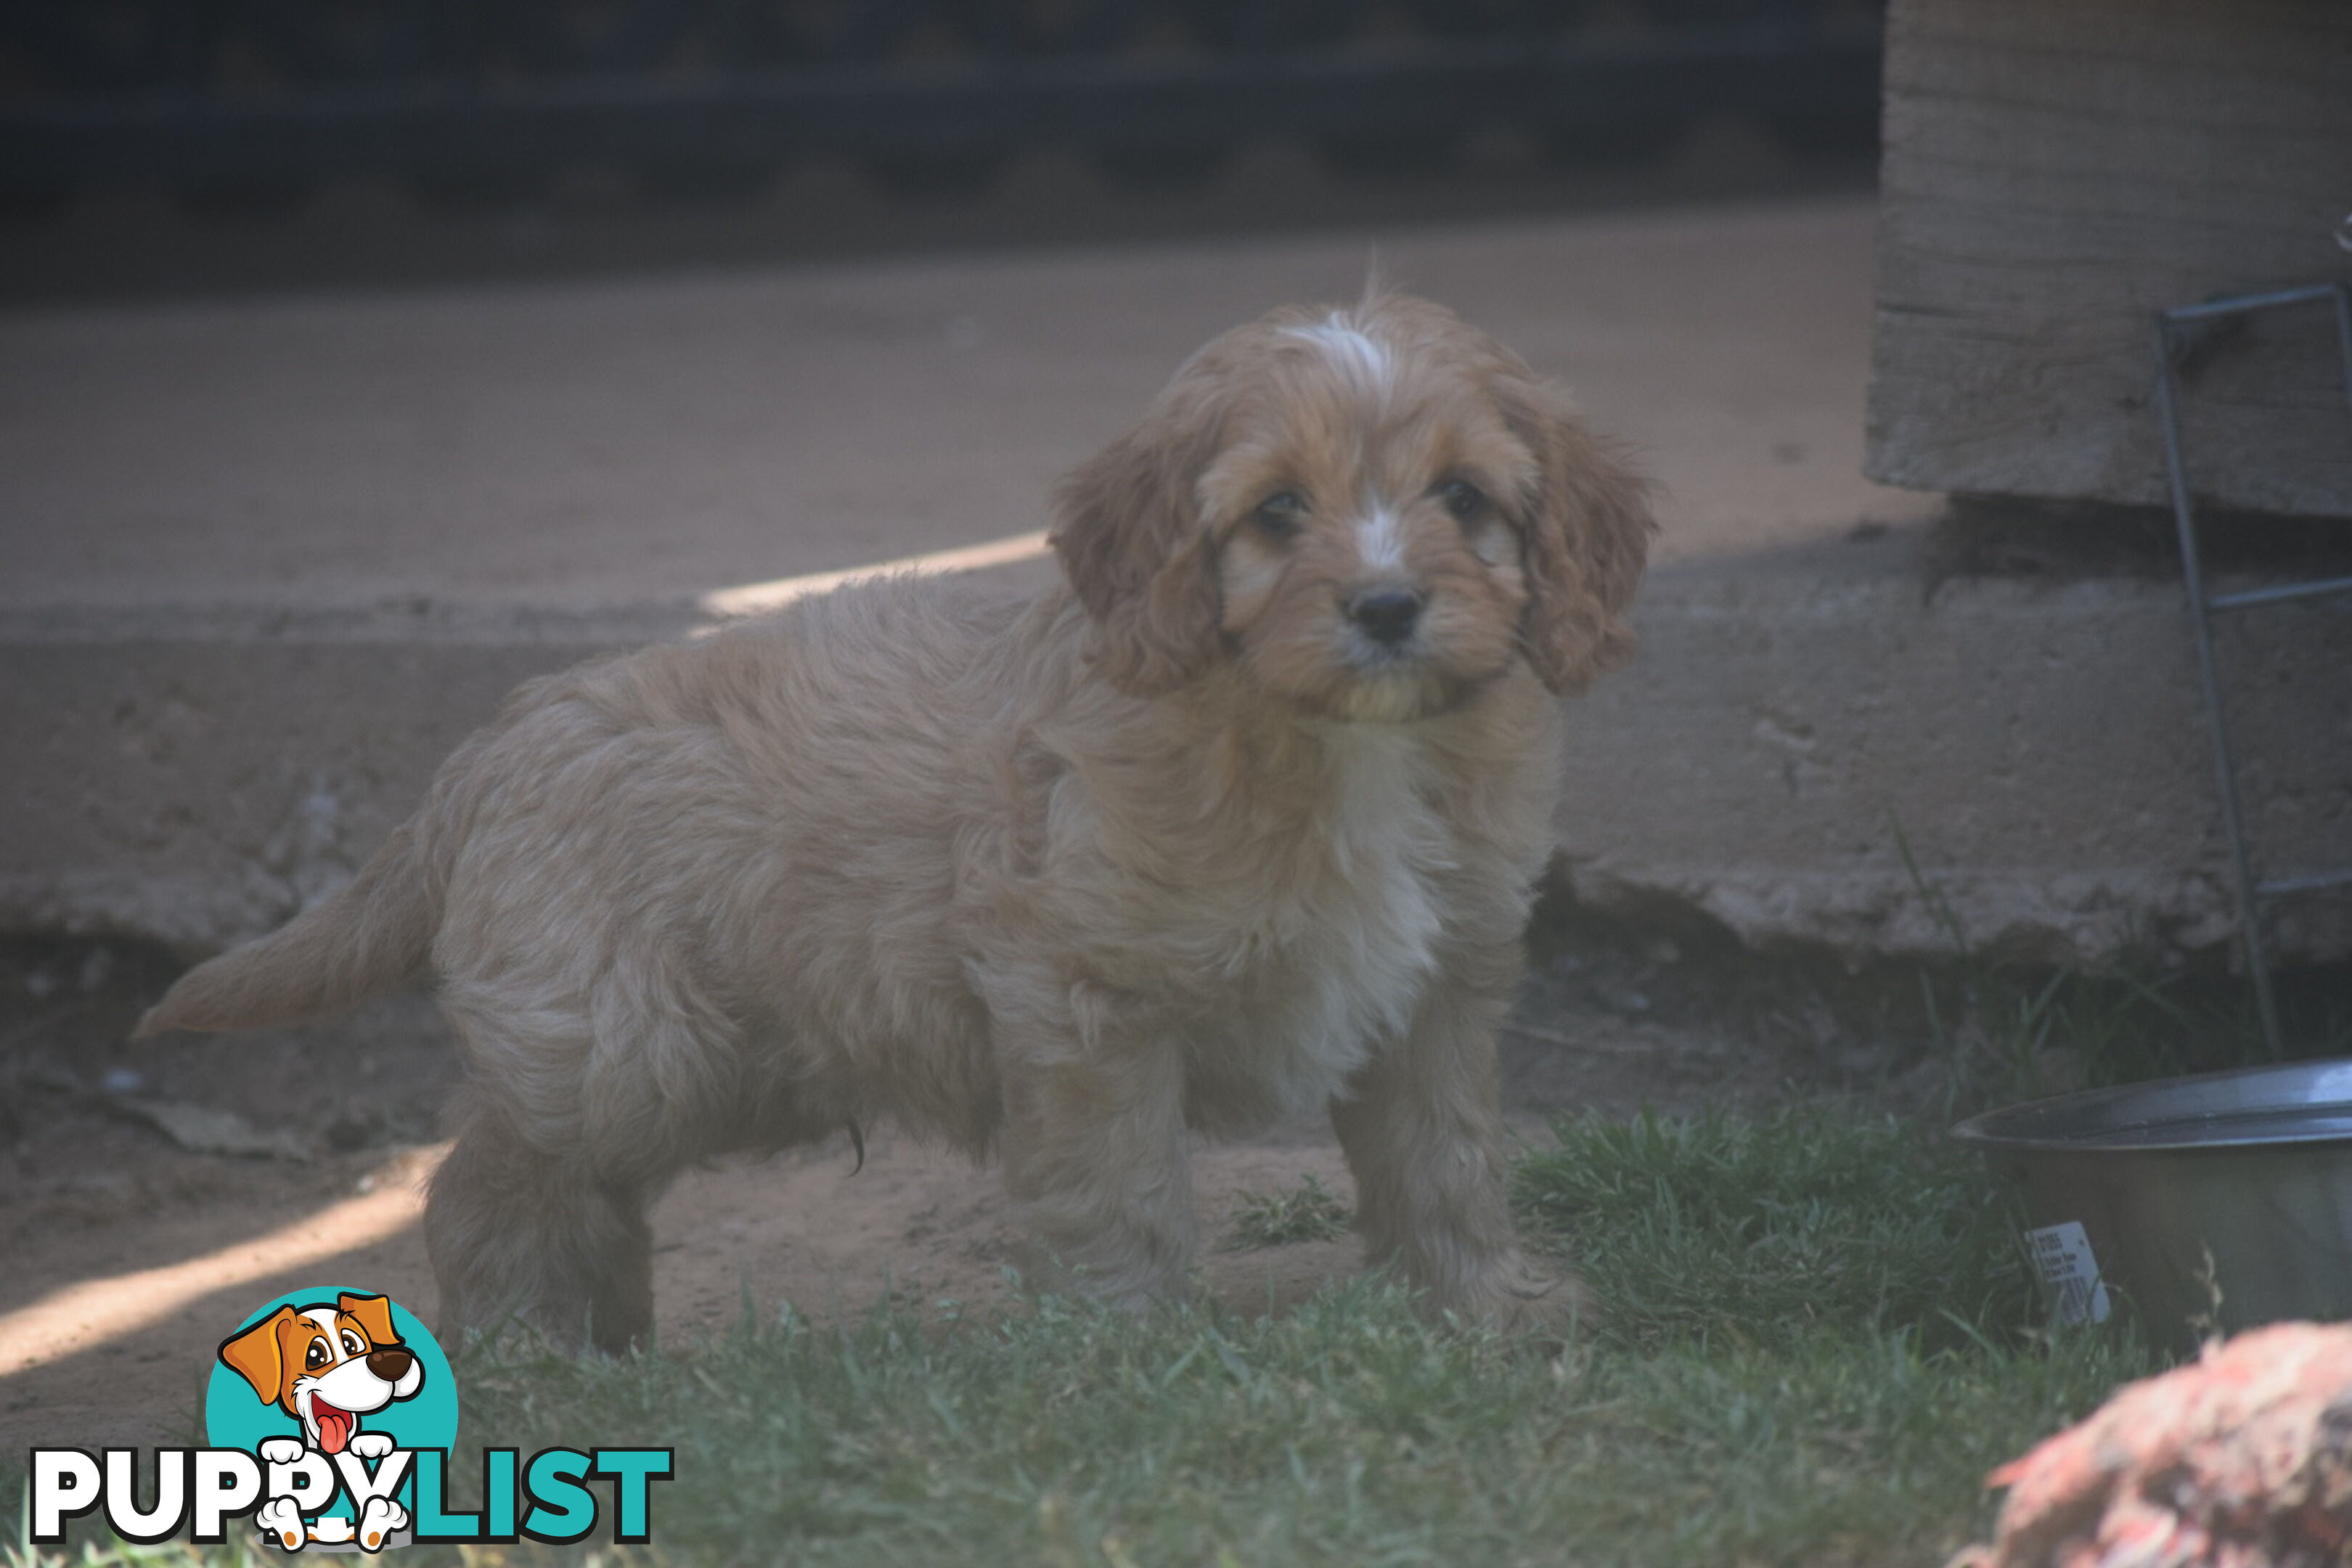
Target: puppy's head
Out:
[326,1365]
[1373,511]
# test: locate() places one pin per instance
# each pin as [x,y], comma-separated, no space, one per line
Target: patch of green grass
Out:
[1731,1231]
[2011,1038]
[1350,1432]
[1308,1212]
[1810,1353]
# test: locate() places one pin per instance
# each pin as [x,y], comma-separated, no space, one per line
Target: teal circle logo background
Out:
[234,1417]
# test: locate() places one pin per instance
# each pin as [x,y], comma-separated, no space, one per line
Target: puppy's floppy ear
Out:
[1134,548]
[255,1356]
[1586,538]
[374,1315]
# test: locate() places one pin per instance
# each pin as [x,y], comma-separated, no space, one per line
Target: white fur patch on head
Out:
[1356,354]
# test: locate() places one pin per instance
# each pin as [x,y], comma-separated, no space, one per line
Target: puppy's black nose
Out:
[390,1364]
[1387,615]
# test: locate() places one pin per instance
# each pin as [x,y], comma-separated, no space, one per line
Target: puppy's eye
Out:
[1465,500]
[1277,516]
[354,1345]
[316,1356]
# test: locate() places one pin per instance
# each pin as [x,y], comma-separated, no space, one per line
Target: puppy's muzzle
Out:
[1387,615]
[390,1364]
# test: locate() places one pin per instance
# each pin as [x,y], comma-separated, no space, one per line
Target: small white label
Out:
[2061,1257]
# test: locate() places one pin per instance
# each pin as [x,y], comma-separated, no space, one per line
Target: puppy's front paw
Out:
[281,1519]
[278,1450]
[378,1519]
[370,1445]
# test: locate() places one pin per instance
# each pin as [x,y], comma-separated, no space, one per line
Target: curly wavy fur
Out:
[1243,818]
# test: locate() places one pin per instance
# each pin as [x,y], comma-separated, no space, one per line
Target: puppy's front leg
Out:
[1422,1126]
[1096,1154]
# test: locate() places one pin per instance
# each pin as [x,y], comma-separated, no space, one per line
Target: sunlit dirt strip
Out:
[81,1316]
[754,598]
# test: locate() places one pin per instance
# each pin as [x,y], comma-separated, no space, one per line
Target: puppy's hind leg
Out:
[581,1102]
[515,1232]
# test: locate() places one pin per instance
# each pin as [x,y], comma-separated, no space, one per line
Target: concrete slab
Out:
[652,439]
[1822,745]
[269,559]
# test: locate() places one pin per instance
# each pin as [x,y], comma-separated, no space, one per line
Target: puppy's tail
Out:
[369,937]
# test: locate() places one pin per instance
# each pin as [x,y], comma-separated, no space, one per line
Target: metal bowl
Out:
[2163,1196]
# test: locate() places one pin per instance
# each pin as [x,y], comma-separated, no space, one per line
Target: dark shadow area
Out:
[1657,996]
[199,145]
[2066,542]
[146,245]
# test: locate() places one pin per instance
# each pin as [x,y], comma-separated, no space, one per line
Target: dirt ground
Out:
[125,1256]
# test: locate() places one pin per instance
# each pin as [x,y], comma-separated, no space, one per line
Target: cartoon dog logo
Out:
[327,1365]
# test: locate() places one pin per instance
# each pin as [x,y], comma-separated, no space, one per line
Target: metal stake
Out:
[2251,892]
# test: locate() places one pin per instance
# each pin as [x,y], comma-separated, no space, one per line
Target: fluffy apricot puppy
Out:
[1242,818]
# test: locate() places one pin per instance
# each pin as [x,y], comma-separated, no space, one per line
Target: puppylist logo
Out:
[330,1416]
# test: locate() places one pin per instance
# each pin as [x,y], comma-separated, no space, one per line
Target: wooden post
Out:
[2054,174]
